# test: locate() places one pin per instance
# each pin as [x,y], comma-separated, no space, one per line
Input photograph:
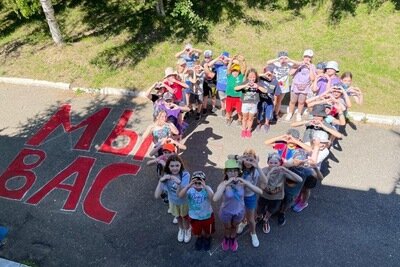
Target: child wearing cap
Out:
[265,107]
[174,179]
[233,97]
[220,65]
[209,85]
[232,209]
[303,77]
[281,68]
[202,221]
[173,85]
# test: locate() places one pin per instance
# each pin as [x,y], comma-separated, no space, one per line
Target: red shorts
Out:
[233,103]
[207,225]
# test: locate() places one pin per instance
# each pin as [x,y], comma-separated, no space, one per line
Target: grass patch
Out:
[131,50]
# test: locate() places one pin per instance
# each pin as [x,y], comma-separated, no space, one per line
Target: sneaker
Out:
[204,111]
[197,116]
[298,117]
[300,206]
[248,134]
[223,113]
[228,122]
[240,228]
[239,123]
[258,128]
[169,211]
[207,243]
[254,240]
[214,109]
[266,227]
[288,116]
[175,220]
[266,128]
[234,244]
[274,119]
[199,243]
[243,134]
[225,244]
[181,235]
[187,235]
[281,219]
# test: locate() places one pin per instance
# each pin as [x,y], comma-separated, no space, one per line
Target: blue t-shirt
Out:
[171,187]
[222,76]
[190,59]
[199,204]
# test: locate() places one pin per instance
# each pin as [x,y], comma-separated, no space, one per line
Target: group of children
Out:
[251,94]
[248,194]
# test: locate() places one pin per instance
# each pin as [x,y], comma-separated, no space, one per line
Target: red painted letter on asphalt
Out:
[62,117]
[19,168]
[120,131]
[81,166]
[92,205]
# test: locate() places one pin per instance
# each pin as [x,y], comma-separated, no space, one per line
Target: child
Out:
[175,177]
[251,172]
[355,92]
[273,188]
[250,98]
[209,85]
[232,211]
[265,106]
[233,97]
[281,68]
[303,77]
[197,93]
[200,211]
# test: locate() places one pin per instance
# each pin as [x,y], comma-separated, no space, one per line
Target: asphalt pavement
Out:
[73,195]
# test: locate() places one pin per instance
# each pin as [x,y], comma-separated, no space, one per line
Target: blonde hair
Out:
[250,152]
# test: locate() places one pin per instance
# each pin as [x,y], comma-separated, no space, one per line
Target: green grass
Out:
[365,43]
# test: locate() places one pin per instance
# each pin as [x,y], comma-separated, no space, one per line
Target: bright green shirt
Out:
[232,83]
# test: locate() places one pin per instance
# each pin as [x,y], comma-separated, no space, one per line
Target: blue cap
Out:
[225,54]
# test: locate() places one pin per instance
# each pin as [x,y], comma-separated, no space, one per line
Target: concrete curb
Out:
[356,116]
[7,263]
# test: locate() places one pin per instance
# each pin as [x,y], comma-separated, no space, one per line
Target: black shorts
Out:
[208,90]
[310,182]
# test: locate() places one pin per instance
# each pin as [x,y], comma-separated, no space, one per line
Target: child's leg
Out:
[249,122]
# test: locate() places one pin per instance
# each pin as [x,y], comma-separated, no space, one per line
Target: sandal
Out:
[266,227]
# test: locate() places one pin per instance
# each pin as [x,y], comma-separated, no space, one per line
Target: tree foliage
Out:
[23,8]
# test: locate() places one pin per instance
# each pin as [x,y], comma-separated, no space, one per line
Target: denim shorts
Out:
[265,111]
[250,202]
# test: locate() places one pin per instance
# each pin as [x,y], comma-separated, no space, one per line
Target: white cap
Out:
[332,65]
[308,53]
[188,46]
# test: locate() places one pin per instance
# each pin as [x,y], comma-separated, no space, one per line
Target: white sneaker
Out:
[298,117]
[181,235]
[187,235]
[175,220]
[288,116]
[240,228]
[169,211]
[254,240]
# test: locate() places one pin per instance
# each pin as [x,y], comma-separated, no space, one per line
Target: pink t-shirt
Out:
[301,83]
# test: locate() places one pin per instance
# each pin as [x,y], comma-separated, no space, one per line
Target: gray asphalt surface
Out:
[352,220]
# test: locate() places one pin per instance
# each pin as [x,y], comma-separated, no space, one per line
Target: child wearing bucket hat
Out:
[232,210]
[202,221]
[330,78]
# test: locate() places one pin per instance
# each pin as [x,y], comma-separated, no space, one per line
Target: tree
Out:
[51,21]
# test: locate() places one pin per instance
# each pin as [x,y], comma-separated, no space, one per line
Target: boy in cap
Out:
[265,107]
[173,85]
[220,65]
[201,214]
[282,65]
[209,85]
